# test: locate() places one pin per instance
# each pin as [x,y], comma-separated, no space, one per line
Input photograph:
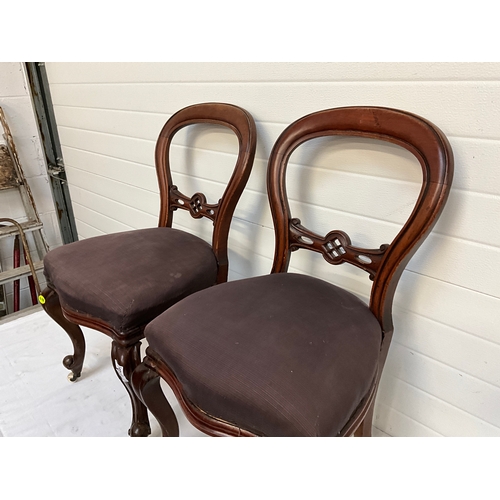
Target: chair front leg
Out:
[52,307]
[125,359]
[146,384]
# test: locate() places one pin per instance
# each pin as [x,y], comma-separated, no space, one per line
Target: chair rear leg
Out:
[73,362]
[146,384]
[125,359]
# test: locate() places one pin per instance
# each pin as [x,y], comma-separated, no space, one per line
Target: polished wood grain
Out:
[384,265]
[126,345]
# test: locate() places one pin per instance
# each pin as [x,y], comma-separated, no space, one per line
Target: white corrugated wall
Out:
[442,376]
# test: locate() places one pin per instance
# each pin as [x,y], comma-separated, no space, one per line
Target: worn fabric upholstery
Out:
[126,279]
[295,356]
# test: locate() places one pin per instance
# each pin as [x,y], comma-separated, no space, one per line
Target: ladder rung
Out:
[18,272]
[8,230]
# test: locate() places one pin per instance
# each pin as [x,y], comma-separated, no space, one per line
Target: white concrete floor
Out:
[36,398]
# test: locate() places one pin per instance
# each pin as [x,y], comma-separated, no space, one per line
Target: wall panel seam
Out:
[492,82]
[453,284]
[109,134]
[156,192]
[102,215]
[90,225]
[406,271]
[16,97]
[176,146]
[458,239]
[447,365]
[408,417]
[141,212]
[165,114]
[447,403]
[283,125]
[70,167]
[88,151]
[453,327]
[154,141]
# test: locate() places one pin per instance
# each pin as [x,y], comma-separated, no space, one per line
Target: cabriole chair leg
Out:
[146,384]
[125,359]
[73,362]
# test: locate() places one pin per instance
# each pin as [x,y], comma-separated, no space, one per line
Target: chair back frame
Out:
[243,125]
[385,264]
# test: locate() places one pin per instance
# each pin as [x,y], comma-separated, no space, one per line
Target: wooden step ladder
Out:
[12,178]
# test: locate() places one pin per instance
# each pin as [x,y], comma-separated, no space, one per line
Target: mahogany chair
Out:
[288,354]
[117,283]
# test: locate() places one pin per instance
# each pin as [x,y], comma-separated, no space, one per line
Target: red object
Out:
[17,262]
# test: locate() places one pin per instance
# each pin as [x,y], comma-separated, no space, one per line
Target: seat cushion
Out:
[126,279]
[278,355]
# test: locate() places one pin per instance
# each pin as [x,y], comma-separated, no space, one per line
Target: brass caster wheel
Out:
[72,377]
[69,364]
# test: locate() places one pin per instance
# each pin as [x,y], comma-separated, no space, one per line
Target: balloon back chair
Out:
[289,354]
[117,283]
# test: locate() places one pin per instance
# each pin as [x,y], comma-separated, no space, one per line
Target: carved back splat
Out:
[197,204]
[336,248]
[384,265]
[243,125]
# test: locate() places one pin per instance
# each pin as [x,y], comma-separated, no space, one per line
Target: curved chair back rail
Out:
[243,125]
[385,264]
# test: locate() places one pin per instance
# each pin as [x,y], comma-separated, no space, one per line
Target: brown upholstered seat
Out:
[128,278]
[291,356]
[117,283]
[287,354]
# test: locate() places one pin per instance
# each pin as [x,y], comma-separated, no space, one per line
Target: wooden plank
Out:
[9,230]
[19,272]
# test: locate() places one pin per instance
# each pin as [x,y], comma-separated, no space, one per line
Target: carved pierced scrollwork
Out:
[336,248]
[196,205]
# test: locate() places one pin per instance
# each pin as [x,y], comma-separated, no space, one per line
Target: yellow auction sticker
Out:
[41,299]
